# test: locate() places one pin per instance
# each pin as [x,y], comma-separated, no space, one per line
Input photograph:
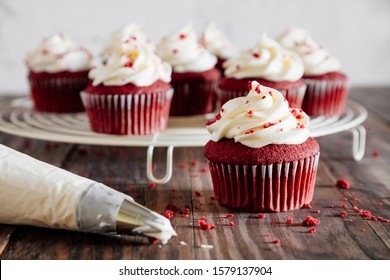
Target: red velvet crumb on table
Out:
[356,208]
[172,207]
[276,241]
[169,214]
[184,165]
[153,241]
[204,225]
[312,230]
[343,214]
[374,218]
[349,220]
[268,234]
[375,154]
[386,220]
[195,163]
[365,213]
[261,216]
[290,220]
[232,224]
[343,183]
[137,195]
[198,194]
[152,185]
[310,221]
[379,218]
[344,206]
[228,216]
[345,199]
[154,166]
[380,204]
[307,206]
[317,211]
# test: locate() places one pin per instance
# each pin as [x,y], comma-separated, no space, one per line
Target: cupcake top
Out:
[184,53]
[316,59]
[129,32]
[131,63]
[216,42]
[267,60]
[59,53]
[261,118]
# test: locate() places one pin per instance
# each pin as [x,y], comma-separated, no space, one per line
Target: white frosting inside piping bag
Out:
[39,194]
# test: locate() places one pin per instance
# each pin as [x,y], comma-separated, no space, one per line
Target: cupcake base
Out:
[326,95]
[58,92]
[264,187]
[195,93]
[230,88]
[128,109]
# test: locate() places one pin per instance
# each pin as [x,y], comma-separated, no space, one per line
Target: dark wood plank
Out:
[251,238]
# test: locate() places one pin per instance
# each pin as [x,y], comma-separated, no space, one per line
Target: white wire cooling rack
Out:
[18,118]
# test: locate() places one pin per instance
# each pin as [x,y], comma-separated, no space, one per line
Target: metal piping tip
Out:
[134,218]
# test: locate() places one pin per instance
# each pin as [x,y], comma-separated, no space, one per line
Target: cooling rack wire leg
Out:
[358,142]
[149,164]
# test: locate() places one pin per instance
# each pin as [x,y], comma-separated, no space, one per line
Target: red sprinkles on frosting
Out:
[310,221]
[343,183]
[257,89]
[182,36]
[256,55]
[129,64]
[250,131]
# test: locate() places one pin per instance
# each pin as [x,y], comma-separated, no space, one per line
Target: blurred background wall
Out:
[355,31]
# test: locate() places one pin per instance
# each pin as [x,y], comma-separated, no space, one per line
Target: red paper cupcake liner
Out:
[58,94]
[276,187]
[193,97]
[135,114]
[324,97]
[294,95]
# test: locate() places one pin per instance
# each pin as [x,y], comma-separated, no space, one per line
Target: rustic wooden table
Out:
[350,237]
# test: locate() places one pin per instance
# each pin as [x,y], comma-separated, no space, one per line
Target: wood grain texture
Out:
[350,237]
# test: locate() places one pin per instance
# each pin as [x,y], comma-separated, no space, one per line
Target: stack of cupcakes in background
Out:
[58,71]
[217,43]
[130,91]
[268,63]
[194,76]
[327,87]
[260,155]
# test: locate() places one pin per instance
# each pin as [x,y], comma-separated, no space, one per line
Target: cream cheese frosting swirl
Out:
[316,59]
[129,32]
[267,60]
[261,118]
[216,42]
[131,63]
[59,53]
[184,53]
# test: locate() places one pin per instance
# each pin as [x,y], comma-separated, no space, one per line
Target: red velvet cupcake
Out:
[194,77]
[217,43]
[58,71]
[269,64]
[261,157]
[130,93]
[327,88]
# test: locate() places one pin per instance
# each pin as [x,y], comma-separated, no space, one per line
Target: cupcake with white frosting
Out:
[194,76]
[131,32]
[217,43]
[58,71]
[268,63]
[327,87]
[130,92]
[260,155]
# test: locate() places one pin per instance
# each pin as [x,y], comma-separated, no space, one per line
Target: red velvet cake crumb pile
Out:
[343,183]
[169,214]
[310,221]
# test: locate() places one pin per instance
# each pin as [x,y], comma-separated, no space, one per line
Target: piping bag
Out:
[39,194]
